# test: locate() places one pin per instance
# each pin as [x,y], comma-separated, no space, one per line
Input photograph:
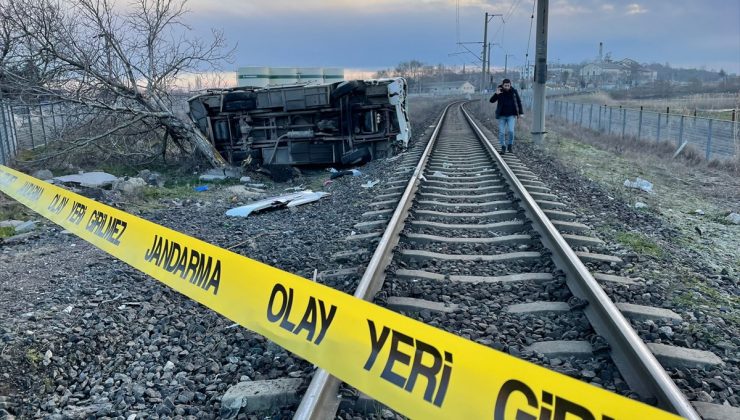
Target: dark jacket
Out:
[509,103]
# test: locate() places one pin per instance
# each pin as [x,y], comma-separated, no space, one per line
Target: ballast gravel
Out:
[85,335]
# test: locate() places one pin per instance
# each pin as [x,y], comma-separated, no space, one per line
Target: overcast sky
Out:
[378,34]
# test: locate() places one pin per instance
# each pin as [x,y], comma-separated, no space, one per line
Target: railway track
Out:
[475,244]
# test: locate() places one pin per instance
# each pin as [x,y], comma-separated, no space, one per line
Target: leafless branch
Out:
[94,55]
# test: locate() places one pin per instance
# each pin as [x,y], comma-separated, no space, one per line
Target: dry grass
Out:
[689,156]
[708,105]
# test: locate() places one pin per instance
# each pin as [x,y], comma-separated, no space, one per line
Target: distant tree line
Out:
[419,74]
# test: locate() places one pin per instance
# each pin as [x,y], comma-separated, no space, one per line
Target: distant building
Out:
[273,76]
[450,88]
[614,73]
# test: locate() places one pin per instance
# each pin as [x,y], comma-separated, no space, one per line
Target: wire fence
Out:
[716,139]
[25,126]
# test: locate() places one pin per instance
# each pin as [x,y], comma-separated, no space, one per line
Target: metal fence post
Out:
[590,114]
[610,120]
[680,132]
[30,127]
[3,142]
[657,138]
[14,129]
[639,125]
[580,120]
[624,120]
[43,129]
[565,111]
[570,113]
[667,125]
[54,119]
[709,140]
[600,129]
[574,113]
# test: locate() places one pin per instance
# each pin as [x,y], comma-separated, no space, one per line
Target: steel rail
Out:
[641,370]
[321,399]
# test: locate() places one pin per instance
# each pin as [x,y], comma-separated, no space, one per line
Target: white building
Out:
[450,88]
[273,76]
[626,71]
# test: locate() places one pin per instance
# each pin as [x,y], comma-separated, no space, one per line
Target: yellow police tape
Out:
[421,371]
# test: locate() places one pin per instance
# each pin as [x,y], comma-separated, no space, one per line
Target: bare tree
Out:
[119,62]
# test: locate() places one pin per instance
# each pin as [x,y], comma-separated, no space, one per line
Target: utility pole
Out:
[540,74]
[486,61]
[483,54]
[488,68]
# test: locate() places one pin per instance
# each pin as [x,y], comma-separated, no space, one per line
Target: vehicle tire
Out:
[356,156]
[345,88]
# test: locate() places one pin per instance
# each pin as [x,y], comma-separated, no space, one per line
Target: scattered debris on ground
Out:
[220,174]
[88,179]
[272,203]
[640,184]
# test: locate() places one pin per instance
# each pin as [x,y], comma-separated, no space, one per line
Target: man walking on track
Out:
[508,109]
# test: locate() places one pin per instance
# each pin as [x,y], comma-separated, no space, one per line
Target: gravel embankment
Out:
[83,334]
[671,275]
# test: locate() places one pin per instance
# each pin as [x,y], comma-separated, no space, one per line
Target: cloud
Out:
[635,9]
[262,8]
[568,8]
[370,35]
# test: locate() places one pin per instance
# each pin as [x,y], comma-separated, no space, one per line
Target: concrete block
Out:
[430,188]
[507,227]
[511,278]
[497,215]
[340,273]
[10,223]
[363,237]
[643,313]
[88,179]
[560,215]
[476,197]
[709,411]
[407,304]
[384,204]
[614,279]
[349,256]
[25,227]
[414,254]
[259,396]
[376,213]
[394,195]
[590,256]
[538,307]
[574,227]
[371,225]
[562,349]
[419,274]
[43,174]
[542,196]
[672,356]
[547,204]
[501,240]
[579,240]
